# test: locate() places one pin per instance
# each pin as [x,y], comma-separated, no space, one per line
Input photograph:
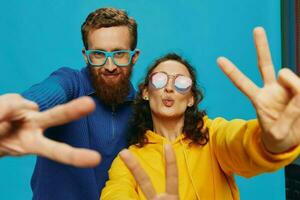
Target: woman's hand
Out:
[143,180]
[277,103]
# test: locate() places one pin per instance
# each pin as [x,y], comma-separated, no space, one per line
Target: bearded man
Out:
[110,39]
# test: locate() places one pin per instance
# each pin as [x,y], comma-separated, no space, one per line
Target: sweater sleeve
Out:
[57,89]
[239,149]
[121,183]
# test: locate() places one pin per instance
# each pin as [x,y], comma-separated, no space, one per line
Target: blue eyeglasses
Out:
[120,58]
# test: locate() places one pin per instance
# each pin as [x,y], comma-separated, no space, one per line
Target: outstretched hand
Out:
[277,103]
[22,126]
[143,180]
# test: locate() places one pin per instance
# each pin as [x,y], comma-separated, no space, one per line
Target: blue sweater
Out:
[104,131]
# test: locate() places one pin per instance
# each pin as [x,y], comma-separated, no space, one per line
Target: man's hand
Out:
[277,103]
[143,180]
[22,126]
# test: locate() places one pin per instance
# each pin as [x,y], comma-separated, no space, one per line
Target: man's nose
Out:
[110,65]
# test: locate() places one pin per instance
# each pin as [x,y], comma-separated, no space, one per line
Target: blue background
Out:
[37,37]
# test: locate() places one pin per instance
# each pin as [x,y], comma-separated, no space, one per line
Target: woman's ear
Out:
[191,101]
[145,94]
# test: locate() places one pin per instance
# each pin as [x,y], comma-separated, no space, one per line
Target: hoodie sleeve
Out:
[238,148]
[121,184]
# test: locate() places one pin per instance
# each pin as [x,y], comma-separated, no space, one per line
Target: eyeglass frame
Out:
[173,82]
[109,54]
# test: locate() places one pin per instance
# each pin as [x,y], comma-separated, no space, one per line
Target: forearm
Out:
[46,94]
[239,149]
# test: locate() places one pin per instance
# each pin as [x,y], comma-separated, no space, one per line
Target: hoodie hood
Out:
[155,138]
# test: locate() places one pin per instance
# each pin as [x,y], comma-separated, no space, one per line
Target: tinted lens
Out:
[97,57]
[122,58]
[159,80]
[183,83]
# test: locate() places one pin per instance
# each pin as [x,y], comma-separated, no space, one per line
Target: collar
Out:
[156,138]
[90,90]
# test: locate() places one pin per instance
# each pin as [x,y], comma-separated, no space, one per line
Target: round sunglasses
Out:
[181,83]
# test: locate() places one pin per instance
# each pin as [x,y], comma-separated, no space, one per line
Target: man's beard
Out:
[111,93]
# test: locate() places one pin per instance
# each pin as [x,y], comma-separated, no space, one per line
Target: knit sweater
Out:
[206,172]
[103,131]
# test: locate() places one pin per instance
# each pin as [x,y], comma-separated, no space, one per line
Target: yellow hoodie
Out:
[204,172]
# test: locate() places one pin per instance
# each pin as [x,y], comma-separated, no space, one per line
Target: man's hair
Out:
[108,17]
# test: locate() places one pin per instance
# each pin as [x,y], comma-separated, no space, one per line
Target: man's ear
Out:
[136,56]
[145,94]
[84,56]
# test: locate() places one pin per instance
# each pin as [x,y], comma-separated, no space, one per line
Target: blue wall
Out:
[37,37]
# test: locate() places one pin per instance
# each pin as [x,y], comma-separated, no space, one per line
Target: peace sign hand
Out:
[143,180]
[22,126]
[277,103]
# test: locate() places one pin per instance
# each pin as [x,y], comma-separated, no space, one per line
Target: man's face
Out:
[112,83]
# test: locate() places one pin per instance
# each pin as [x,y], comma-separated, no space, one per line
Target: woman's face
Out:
[169,101]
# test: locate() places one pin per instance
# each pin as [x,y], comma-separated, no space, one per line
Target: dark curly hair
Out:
[142,119]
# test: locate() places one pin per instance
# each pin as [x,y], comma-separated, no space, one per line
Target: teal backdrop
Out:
[37,37]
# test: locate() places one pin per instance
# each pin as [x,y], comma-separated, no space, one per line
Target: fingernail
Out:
[167,146]
[123,153]
[219,59]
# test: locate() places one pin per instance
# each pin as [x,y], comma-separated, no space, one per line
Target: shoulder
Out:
[234,125]
[144,151]
[69,76]
[134,149]
[66,72]
[218,121]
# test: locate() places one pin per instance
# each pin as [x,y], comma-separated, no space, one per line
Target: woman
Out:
[208,152]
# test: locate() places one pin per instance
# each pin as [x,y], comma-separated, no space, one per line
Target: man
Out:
[110,39]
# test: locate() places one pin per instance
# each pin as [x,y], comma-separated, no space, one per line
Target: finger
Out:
[289,80]
[264,55]
[65,113]
[66,154]
[5,128]
[171,171]
[139,174]
[12,104]
[242,82]
[9,146]
[284,123]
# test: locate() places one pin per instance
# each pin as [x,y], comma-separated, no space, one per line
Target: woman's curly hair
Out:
[193,117]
